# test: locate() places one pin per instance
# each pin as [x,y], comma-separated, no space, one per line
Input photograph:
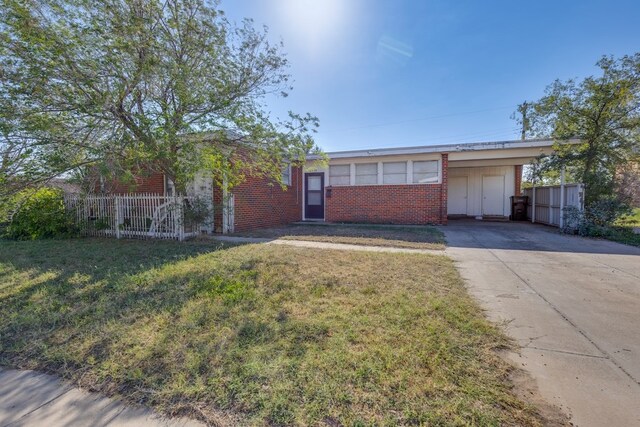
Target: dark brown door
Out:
[314,196]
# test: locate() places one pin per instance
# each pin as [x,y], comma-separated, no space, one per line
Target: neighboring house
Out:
[408,185]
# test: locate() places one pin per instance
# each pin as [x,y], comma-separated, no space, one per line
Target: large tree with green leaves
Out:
[603,113]
[167,84]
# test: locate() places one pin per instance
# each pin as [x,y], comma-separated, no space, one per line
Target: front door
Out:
[493,195]
[314,196]
[457,189]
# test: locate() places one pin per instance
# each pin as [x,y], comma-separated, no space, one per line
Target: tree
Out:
[170,85]
[602,113]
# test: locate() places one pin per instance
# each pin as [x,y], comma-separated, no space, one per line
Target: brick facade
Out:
[259,204]
[518,175]
[390,204]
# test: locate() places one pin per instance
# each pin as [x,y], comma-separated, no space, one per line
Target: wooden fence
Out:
[547,203]
[145,216]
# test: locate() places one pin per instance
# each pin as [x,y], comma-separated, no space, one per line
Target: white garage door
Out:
[493,195]
[457,195]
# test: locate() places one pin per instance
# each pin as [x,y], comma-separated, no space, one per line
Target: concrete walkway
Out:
[572,303]
[30,399]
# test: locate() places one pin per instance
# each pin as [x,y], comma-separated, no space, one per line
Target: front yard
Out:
[258,335]
[414,237]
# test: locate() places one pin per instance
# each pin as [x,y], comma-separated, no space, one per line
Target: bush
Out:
[40,215]
[597,219]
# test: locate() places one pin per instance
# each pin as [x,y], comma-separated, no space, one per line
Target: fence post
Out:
[562,196]
[551,205]
[116,206]
[178,217]
[533,203]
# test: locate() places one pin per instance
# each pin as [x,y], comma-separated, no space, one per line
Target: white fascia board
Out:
[448,148]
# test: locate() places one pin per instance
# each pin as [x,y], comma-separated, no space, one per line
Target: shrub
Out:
[597,218]
[40,214]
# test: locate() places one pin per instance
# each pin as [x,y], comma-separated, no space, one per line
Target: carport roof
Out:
[447,148]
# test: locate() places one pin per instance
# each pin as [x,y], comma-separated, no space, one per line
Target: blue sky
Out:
[388,73]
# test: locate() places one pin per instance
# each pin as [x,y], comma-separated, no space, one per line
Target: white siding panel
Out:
[474,206]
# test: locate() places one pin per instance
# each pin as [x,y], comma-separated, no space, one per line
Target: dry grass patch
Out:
[414,237]
[258,335]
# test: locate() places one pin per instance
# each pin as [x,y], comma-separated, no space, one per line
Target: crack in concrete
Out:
[605,354]
[573,353]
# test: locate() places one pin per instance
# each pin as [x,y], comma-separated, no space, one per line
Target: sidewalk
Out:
[28,398]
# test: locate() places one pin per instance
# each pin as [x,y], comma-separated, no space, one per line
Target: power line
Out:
[374,125]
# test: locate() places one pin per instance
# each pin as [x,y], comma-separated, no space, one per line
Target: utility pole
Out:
[522,109]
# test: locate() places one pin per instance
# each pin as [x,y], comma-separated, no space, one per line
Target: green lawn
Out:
[414,237]
[258,335]
[622,231]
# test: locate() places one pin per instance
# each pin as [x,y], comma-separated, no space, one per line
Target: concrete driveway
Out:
[573,304]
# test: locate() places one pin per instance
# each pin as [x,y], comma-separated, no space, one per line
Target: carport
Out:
[482,179]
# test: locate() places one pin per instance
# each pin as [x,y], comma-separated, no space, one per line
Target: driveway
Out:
[573,304]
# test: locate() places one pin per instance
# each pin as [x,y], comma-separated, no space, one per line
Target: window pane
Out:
[314,183]
[394,173]
[395,167]
[338,170]
[395,178]
[424,178]
[366,169]
[286,174]
[426,166]
[366,173]
[339,174]
[314,199]
[425,172]
[339,180]
[367,179]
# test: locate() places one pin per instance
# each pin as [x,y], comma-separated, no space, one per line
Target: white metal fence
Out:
[151,216]
[547,203]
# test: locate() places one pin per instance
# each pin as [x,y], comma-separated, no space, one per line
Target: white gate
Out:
[132,215]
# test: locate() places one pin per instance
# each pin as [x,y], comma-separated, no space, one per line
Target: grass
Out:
[414,237]
[622,230]
[258,335]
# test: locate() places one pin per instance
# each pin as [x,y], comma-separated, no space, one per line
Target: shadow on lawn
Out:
[130,318]
[56,292]
[256,335]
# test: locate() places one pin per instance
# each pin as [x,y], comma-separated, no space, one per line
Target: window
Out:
[366,173]
[339,175]
[425,172]
[169,187]
[394,173]
[286,175]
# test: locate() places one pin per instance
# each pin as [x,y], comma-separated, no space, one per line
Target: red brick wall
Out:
[390,204]
[518,175]
[260,205]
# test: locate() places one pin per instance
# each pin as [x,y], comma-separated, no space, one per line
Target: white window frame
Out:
[286,172]
[347,174]
[384,175]
[375,175]
[434,180]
